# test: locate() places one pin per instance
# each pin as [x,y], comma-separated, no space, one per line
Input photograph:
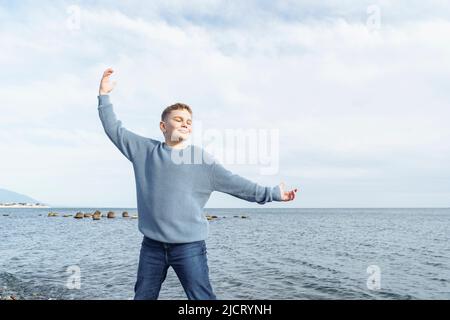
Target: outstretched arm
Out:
[225,181]
[126,141]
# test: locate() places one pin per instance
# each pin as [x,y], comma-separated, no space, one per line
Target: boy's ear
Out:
[162,126]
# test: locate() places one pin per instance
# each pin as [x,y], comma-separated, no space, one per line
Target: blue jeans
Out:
[189,262]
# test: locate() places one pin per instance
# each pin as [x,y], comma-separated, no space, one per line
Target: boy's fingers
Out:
[289,194]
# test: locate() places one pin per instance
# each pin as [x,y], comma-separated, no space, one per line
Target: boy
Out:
[171,197]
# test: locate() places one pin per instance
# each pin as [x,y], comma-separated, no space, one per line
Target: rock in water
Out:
[97,215]
[79,215]
[111,215]
[125,214]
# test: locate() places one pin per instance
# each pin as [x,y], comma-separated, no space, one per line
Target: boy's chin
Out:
[184,137]
[181,138]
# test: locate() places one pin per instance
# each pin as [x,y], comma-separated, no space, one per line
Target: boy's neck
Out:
[176,144]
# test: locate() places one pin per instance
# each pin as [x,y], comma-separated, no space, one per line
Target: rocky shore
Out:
[98,215]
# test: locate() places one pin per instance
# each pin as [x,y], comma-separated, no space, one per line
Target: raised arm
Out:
[223,180]
[126,141]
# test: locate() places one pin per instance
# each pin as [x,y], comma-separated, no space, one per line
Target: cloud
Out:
[352,105]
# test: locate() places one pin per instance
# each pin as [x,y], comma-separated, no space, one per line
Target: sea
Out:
[261,253]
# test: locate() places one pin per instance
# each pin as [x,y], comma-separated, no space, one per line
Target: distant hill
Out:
[11,196]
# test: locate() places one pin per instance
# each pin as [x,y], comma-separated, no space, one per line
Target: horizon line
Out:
[125,207]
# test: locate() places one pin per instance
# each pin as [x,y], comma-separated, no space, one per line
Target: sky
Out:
[357,91]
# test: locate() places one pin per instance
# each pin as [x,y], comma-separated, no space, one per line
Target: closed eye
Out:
[178,119]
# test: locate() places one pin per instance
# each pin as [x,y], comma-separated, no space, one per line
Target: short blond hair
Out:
[176,106]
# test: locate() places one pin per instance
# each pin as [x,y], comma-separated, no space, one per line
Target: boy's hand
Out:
[105,85]
[287,195]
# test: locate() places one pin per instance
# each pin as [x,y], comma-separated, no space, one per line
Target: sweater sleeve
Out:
[223,180]
[126,141]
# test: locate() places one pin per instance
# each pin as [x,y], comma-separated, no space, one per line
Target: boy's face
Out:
[177,126]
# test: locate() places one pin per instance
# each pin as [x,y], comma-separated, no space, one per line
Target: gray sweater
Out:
[173,185]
